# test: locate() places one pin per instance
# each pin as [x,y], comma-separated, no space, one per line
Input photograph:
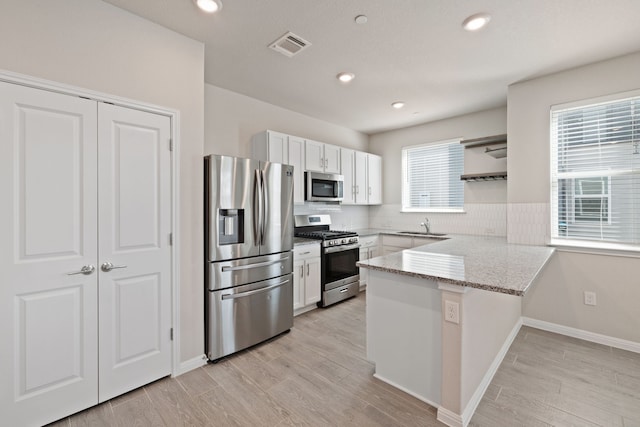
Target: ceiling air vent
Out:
[289,44]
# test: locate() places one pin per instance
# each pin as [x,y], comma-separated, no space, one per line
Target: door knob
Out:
[107,266]
[86,269]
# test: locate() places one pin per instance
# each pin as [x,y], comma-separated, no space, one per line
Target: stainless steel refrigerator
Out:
[248,252]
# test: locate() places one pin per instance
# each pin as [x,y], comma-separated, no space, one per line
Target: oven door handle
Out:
[342,248]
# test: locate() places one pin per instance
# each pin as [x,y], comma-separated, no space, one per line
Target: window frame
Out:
[577,243]
[405,178]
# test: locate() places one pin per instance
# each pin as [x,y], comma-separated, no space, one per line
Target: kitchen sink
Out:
[422,233]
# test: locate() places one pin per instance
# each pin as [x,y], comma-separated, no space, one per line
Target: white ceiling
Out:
[410,50]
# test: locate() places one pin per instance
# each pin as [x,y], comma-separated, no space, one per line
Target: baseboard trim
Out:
[399,387]
[449,418]
[191,364]
[582,334]
[473,403]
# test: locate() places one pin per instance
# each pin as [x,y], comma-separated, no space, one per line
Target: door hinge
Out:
[170,144]
[171,334]
[170,239]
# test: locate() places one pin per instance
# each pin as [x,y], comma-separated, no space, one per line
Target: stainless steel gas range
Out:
[340,277]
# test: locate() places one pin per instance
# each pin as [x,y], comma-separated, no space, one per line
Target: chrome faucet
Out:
[426,225]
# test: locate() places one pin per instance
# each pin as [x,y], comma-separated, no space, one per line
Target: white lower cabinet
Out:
[306,277]
[368,249]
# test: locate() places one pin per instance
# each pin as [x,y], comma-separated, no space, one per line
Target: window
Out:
[595,172]
[431,177]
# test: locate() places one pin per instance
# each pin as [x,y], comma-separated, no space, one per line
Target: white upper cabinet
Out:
[362,177]
[374,176]
[271,146]
[331,158]
[296,159]
[320,157]
[282,148]
[347,169]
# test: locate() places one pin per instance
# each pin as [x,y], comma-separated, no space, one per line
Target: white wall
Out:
[485,202]
[231,119]
[557,295]
[93,45]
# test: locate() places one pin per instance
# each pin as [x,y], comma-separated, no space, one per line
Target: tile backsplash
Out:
[484,219]
[529,223]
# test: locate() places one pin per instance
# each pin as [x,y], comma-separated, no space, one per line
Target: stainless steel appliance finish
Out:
[340,277]
[323,187]
[248,252]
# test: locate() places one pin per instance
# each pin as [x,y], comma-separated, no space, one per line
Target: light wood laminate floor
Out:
[317,375]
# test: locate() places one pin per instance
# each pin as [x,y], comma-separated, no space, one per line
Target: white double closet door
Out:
[85,258]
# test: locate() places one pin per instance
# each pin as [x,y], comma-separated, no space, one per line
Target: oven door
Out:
[339,265]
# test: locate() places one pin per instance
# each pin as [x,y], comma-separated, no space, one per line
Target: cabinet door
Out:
[48,174]
[314,156]
[277,147]
[296,159]
[298,284]
[312,281]
[134,203]
[361,178]
[374,179]
[331,158]
[347,169]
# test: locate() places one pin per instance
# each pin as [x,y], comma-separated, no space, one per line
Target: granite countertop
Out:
[298,241]
[488,263]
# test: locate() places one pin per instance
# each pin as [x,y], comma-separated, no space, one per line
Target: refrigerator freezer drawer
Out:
[246,315]
[225,274]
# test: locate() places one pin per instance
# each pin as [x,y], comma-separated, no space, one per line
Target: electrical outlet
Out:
[451,312]
[589,298]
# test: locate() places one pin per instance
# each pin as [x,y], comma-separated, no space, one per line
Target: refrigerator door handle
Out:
[264,206]
[256,291]
[257,207]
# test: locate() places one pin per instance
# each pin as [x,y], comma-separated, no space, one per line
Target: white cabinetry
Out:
[362,179]
[282,148]
[306,277]
[374,179]
[320,157]
[368,249]
[393,243]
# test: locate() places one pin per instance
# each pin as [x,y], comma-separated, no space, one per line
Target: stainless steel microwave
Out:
[323,187]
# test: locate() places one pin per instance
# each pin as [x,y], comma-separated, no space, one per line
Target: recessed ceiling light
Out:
[346,77]
[361,19]
[475,22]
[398,105]
[209,6]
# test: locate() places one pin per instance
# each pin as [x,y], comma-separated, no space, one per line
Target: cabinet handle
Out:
[307,269]
[357,189]
[302,271]
[369,190]
[305,253]
[321,162]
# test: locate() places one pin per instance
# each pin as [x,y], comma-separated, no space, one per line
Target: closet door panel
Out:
[134,224]
[48,172]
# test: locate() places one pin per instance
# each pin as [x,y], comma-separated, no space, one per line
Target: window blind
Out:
[431,177]
[595,172]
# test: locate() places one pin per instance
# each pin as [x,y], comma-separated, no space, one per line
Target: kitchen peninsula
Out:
[440,317]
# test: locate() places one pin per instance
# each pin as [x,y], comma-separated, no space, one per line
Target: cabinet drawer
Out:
[306,251]
[368,241]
